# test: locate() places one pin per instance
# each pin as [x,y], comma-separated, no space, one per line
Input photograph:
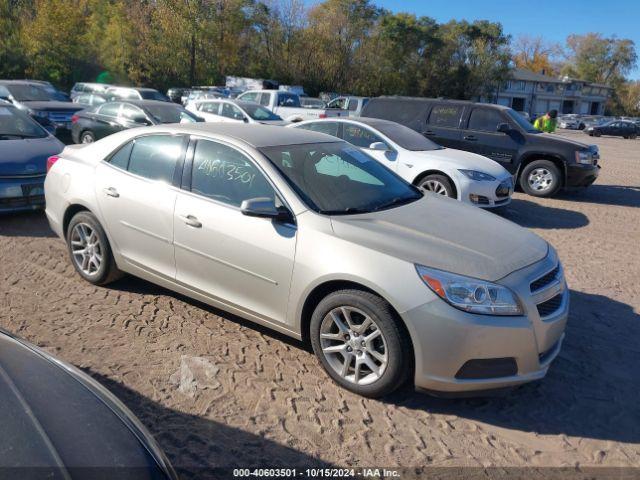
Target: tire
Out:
[87,136]
[391,345]
[438,184]
[540,178]
[596,134]
[634,136]
[100,266]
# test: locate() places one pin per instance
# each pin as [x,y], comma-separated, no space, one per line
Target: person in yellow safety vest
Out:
[547,123]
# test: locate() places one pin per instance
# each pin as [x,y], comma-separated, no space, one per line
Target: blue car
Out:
[24,149]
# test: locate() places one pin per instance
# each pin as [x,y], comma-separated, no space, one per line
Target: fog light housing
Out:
[478,199]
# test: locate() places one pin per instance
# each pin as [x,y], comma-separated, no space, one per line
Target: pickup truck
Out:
[287,105]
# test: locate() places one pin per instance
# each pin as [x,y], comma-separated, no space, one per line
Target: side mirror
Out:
[380,146]
[245,119]
[141,119]
[264,207]
[503,128]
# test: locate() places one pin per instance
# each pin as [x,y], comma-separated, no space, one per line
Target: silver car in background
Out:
[310,236]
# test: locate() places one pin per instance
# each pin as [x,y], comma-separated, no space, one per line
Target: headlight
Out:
[584,157]
[475,175]
[469,294]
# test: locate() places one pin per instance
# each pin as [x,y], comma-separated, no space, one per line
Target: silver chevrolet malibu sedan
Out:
[311,237]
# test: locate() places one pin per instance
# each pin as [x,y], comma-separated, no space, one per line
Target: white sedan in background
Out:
[466,176]
[234,111]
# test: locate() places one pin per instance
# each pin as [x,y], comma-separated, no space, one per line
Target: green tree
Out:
[52,40]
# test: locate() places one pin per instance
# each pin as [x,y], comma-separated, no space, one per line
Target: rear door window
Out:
[445,115]
[110,109]
[265,99]
[330,128]
[155,156]
[120,159]
[485,119]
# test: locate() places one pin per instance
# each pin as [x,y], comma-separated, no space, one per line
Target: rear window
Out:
[401,111]
[407,138]
[155,157]
[445,116]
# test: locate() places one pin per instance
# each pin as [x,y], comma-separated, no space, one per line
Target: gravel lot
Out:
[218,391]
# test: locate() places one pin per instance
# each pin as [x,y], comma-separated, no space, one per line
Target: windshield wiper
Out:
[394,202]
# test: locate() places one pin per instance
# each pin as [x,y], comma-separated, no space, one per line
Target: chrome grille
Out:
[545,280]
[550,306]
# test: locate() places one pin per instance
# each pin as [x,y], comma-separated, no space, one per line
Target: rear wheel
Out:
[87,137]
[541,178]
[359,342]
[438,184]
[90,251]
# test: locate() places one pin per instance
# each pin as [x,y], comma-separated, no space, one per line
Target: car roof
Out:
[255,135]
[143,103]
[387,98]
[372,122]
[240,103]
[139,89]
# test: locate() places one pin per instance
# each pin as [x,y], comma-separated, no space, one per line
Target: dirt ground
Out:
[218,391]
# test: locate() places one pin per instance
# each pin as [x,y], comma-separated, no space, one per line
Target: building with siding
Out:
[536,94]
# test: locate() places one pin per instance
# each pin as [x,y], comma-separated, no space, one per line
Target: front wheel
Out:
[541,178]
[357,338]
[438,184]
[90,251]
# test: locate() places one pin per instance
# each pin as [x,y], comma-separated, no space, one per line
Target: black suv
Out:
[541,163]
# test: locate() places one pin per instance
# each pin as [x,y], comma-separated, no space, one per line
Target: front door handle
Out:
[112,192]
[428,132]
[470,138]
[191,221]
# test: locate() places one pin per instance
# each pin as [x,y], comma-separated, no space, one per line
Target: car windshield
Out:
[29,93]
[258,112]
[15,125]
[153,95]
[170,113]
[339,179]
[523,122]
[407,138]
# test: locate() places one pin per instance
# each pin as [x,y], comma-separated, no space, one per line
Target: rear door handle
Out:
[191,221]
[112,192]
[428,132]
[470,138]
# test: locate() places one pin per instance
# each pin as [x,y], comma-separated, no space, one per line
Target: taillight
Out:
[322,115]
[74,118]
[51,160]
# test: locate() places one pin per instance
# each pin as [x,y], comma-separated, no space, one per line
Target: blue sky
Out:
[551,19]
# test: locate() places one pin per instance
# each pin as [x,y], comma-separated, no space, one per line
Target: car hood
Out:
[443,233]
[553,139]
[465,160]
[54,417]
[27,156]
[53,106]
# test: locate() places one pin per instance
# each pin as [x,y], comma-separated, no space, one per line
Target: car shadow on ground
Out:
[132,284]
[590,391]
[618,195]
[533,215]
[25,224]
[200,448]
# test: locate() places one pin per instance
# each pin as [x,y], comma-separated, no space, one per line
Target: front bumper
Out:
[582,175]
[453,348]
[485,194]
[21,193]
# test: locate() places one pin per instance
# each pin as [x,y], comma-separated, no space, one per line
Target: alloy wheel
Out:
[86,138]
[353,345]
[435,187]
[86,248]
[541,179]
